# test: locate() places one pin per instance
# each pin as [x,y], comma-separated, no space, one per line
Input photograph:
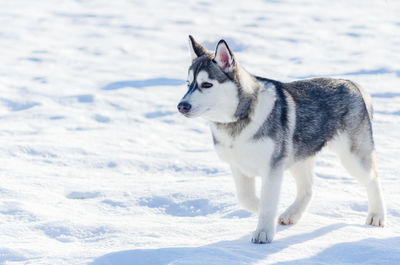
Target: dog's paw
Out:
[263,236]
[288,218]
[375,219]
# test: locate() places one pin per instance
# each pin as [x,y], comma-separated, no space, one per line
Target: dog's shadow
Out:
[241,251]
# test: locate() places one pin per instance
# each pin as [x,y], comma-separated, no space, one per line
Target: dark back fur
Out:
[325,107]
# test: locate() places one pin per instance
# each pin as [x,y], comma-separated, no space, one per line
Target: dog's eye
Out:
[206,85]
[187,82]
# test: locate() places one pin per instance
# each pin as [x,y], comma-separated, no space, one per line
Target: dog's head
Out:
[212,90]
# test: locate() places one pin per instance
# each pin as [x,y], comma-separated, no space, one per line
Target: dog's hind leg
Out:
[303,174]
[245,190]
[358,157]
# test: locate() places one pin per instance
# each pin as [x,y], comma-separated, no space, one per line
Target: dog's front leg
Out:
[245,190]
[270,189]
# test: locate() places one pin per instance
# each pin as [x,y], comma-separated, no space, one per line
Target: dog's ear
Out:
[224,57]
[196,50]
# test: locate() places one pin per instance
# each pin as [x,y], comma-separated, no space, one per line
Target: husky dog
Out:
[262,127]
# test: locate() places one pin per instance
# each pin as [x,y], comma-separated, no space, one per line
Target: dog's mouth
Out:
[194,113]
[188,115]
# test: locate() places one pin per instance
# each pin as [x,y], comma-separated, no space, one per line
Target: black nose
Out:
[184,107]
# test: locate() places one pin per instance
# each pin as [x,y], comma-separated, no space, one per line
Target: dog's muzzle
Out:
[184,107]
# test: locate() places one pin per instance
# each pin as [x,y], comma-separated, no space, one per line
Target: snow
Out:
[97,167]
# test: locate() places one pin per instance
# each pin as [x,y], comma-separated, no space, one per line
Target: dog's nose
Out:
[184,107]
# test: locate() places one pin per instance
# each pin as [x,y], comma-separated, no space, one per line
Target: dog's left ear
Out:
[196,50]
[224,57]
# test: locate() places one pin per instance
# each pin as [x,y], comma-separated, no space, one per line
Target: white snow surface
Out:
[97,166]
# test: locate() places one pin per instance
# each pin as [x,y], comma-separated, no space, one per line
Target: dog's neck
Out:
[248,88]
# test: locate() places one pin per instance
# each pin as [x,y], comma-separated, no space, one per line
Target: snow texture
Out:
[97,167]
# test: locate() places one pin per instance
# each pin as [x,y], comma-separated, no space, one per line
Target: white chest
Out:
[250,156]
[242,151]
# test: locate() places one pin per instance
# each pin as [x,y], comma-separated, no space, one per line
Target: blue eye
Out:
[206,85]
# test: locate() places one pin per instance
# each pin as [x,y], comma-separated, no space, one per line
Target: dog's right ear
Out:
[196,50]
[224,57]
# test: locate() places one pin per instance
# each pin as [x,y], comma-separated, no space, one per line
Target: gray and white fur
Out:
[262,127]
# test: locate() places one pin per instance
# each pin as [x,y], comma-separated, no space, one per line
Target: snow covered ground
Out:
[97,167]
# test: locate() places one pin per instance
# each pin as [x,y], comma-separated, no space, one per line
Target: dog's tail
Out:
[366,98]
